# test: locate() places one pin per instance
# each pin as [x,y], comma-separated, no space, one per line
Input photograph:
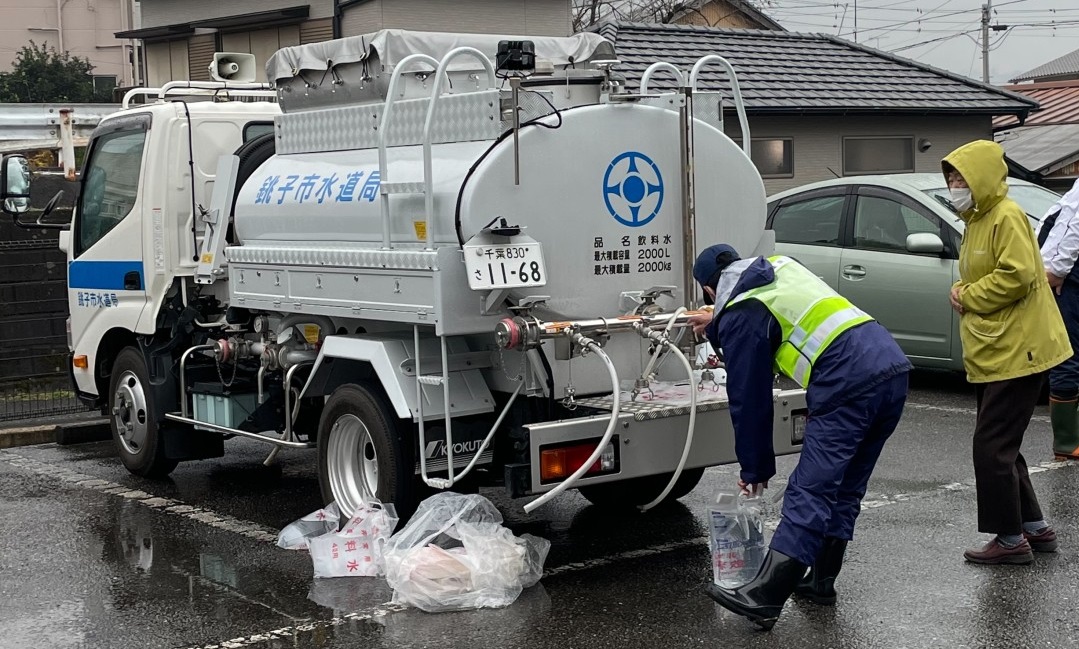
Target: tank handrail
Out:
[428,172]
[739,106]
[130,95]
[383,127]
[656,67]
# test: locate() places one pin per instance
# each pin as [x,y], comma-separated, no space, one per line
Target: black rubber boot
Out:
[819,585]
[762,599]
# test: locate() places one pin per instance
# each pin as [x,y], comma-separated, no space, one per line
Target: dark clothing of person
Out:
[1006,498]
[856,392]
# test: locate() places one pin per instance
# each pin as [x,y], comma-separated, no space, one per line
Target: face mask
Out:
[961,199]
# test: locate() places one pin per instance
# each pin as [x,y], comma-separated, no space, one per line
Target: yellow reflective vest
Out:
[810,314]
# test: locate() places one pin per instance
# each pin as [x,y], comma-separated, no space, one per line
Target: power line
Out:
[932,40]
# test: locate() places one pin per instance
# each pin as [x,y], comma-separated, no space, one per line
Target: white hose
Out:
[652,361]
[689,433]
[442,483]
[616,409]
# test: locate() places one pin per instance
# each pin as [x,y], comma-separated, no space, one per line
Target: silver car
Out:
[890,244]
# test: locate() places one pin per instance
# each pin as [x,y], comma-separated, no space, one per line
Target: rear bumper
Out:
[651,443]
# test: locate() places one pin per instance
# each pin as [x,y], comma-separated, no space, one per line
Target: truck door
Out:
[106,278]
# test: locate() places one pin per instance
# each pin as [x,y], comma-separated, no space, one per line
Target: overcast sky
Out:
[944,33]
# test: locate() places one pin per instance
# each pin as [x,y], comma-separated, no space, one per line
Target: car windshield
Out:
[1034,200]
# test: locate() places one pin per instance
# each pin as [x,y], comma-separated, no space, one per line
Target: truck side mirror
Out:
[15,182]
[15,194]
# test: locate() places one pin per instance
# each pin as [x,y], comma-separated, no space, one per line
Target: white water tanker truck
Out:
[443,261]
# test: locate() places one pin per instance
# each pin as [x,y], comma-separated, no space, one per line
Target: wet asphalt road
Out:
[93,557]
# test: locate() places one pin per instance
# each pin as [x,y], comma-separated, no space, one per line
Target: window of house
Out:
[877,155]
[811,221]
[109,186]
[104,84]
[773,157]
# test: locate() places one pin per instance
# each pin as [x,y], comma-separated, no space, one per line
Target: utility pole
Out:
[855,21]
[986,8]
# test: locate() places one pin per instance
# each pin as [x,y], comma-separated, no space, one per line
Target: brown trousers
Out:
[1005,496]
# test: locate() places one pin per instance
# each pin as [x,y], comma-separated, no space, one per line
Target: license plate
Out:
[505,266]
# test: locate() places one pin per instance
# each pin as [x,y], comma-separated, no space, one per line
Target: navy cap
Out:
[711,262]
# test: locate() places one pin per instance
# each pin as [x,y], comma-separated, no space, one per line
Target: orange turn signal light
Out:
[80,362]
[553,464]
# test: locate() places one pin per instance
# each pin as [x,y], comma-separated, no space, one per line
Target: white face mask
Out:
[961,198]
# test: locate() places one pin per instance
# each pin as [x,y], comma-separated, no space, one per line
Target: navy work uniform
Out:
[775,316]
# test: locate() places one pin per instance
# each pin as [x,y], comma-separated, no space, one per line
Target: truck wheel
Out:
[641,491]
[134,424]
[362,454]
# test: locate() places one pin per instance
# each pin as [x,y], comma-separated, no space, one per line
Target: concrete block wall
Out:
[33,290]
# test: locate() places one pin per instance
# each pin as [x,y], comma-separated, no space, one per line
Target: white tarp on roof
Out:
[392,45]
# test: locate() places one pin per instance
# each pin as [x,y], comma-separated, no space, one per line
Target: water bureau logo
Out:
[633,189]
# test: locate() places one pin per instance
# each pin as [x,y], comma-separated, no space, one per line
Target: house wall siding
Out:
[88,32]
[719,14]
[314,31]
[171,12]
[818,141]
[363,18]
[511,17]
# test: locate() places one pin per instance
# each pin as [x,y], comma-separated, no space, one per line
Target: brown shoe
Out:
[1043,541]
[993,553]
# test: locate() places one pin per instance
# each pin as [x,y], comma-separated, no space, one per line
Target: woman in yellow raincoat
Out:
[1012,333]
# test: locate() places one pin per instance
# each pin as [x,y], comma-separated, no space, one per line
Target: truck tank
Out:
[600,188]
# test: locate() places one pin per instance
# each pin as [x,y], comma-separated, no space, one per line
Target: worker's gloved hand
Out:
[752,490]
[699,322]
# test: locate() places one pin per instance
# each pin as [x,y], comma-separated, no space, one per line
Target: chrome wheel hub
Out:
[351,464]
[129,413]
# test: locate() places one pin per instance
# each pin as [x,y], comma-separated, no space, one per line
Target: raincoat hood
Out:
[982,164]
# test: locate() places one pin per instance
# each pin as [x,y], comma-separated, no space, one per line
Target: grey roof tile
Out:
[791,72]
[1065,66]
[1040,147]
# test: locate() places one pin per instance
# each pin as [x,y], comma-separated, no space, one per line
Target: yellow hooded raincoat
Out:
[1010,325]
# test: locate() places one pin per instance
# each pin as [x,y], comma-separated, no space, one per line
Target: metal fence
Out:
[34,379]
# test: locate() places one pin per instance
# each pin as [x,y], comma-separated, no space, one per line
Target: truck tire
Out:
[363,452]
[134,423]
[641,491]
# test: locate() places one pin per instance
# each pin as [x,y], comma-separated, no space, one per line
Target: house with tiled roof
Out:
[820,106]
[1046,142]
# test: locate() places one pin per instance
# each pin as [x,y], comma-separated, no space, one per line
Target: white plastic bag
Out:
[357,550]
[319,522]
[455,555]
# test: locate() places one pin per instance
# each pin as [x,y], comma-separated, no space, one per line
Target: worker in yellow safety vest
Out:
[772,315]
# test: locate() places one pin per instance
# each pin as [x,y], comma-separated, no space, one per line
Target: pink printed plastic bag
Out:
[356,550]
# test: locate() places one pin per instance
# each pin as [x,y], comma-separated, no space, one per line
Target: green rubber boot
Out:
[1065,419]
